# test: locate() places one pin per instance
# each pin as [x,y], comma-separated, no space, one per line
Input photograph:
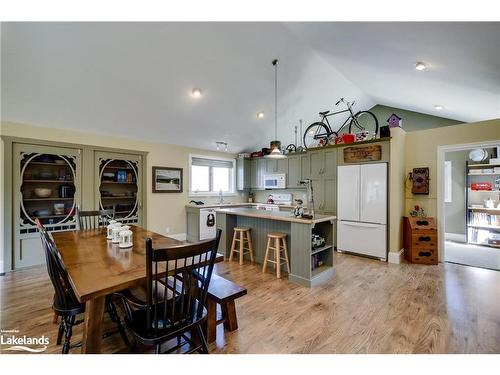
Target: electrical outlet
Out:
[167,230]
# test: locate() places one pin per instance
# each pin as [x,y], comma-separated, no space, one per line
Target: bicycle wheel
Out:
[364,121]
[315,133]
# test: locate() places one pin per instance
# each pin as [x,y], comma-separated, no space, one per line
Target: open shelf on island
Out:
[320,249]
[315,272]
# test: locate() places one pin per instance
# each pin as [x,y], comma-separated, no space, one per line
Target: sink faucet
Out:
[221,199]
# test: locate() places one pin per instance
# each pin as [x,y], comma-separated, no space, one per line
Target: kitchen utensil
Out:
[43,192]
[59,208]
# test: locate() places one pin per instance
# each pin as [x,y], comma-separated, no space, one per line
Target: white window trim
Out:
[233,192]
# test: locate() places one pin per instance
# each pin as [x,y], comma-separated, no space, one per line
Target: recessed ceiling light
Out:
[260,114]
[420,65]
[438,107]
[196,93]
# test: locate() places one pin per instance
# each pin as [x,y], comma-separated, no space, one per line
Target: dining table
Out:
[97,267]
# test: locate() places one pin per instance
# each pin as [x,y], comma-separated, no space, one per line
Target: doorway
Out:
[470,204]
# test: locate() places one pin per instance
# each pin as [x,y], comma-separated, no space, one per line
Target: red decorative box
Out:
[481,186]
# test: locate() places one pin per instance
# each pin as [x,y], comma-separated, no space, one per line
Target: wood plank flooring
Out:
[368,307]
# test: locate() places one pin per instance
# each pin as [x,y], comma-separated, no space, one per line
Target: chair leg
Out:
[277,257]
[69,332]
[233,247]
[60,332]
[242,242]
[203,342]
[113,314]
[250,245]
[285,248]
[265,256]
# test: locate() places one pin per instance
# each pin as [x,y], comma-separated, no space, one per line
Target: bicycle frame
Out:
[325,121]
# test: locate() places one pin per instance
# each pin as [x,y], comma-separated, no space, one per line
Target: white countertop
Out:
[274,215]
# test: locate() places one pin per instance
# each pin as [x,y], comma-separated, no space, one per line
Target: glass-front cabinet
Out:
[119,185]
[46,186]
[49,182]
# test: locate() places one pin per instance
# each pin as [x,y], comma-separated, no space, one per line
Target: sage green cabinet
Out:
[305,166]
[276,166]
[330,164]
[316,160]
[257,171]
[243,174]
[330,196]
[47,185]
[51,178]
[294,172]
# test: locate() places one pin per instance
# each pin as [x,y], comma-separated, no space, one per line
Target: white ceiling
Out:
[135,78]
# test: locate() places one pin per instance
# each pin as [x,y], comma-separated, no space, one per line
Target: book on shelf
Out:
[483,218]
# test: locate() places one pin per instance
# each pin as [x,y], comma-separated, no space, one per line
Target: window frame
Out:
[232,180]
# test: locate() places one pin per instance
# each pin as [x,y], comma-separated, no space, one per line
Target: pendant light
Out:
[275,145]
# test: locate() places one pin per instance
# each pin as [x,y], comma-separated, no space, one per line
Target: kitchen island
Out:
[308,267]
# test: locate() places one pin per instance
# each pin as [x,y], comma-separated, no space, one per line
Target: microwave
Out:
[275,181]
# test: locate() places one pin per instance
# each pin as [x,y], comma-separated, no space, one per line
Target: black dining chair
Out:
[66,305]
[93,219]
[176,291]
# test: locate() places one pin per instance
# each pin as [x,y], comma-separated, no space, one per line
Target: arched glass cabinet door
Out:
[119,177]
[47,186]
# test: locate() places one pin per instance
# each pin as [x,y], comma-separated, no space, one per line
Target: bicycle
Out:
[320,133]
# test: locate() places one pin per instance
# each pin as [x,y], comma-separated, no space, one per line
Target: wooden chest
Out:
[420,240]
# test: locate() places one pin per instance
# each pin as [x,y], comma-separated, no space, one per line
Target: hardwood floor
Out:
[368,307]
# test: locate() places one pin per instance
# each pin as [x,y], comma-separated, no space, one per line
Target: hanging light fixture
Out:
[275,145]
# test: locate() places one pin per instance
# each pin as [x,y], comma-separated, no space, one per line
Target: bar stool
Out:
[244,236]
[279,246]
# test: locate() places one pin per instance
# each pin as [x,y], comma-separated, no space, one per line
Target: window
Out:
[210,175]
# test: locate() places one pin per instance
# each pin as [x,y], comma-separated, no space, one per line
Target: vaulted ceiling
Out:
[135,79]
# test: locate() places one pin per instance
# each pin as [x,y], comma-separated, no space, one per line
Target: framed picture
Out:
[167,180]
[420,181]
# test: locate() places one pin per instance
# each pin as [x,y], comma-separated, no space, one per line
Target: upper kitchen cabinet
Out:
[276,166]
[294,172]
[243,174]
[323,163]
[305,166]
[257,171]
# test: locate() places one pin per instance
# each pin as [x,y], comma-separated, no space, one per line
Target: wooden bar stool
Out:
[241,235]
[279,246]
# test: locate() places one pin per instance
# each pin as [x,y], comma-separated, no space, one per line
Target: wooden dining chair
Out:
[65,304]
[175,304]
[93,219]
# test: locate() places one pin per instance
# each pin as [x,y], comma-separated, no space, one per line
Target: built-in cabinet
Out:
[50,181]
[320,166]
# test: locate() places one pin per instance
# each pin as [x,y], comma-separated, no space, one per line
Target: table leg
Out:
[92,325]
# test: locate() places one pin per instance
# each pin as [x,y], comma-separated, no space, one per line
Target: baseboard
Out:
[455,237]
[178,236]
[396,257]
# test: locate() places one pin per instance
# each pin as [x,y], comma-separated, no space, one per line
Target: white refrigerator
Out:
[362,209]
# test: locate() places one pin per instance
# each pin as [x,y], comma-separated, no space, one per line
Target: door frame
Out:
[441,151]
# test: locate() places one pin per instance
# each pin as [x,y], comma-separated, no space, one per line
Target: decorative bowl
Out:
[43,192]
